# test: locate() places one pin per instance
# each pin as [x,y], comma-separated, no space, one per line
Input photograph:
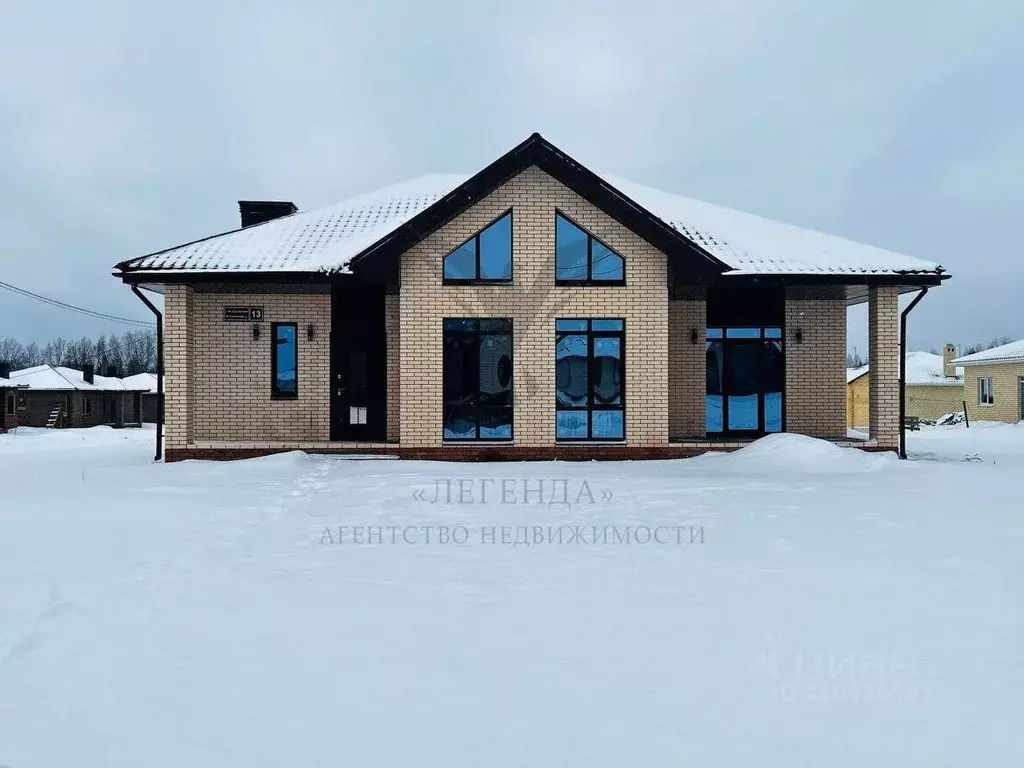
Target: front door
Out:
[358,364]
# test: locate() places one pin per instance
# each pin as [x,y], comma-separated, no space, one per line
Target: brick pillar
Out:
[884,362]
[393,326]
[815,399]
[687,370]
[178,364]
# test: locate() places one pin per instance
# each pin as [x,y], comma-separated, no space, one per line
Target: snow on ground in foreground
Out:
[844,609]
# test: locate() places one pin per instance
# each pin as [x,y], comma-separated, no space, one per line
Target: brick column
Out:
[393,327]
[884,362]
[687,370]
[815,399]
[178,333]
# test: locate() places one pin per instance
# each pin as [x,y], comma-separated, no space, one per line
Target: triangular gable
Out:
[382,256]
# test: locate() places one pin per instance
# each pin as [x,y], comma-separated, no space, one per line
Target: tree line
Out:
[128,353]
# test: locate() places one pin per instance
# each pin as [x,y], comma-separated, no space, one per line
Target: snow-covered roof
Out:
[1007,353]
[59,378]
[145,382]
[327,239]
[923,369]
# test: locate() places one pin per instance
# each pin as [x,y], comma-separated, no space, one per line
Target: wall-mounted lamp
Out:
[256,332]
[693,335]
[310,331]
[799,336]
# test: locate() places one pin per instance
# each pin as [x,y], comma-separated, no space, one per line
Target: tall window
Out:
[10,404]
[485,258]
[477,379]
[284,360]
[985,394]
[590,380]
[745,378]
[580,258]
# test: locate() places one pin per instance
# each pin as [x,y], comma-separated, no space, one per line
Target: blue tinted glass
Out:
[570,251]
[772,411]
[571,424]
[714,333]
[743,333]
[773,333]
[460,264]
[713,406]
[496,424]
[606,325]
[496,326]
[458,324]
[743,412]
[459,424]
[496,250]
[287,380]
[608,424]
[605,264]
[571,374]
[607,371]
[570,325]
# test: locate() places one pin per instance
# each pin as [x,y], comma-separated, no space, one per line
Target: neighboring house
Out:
[65,397]
[8,398]
[147,396]
[531,310]
[933,388]
[994,383]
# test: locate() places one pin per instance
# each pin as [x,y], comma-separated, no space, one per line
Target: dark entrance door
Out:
[358,364]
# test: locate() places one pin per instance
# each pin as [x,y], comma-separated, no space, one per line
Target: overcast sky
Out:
[126,127]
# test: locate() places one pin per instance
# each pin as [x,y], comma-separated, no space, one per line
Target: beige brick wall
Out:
[687,375]
[923,401]
[533,302]
[815,399]
[392,322]
[1005,390]
[178,333]
[230,372]
[883,358]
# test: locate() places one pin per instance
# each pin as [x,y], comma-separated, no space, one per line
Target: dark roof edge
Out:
[536,150]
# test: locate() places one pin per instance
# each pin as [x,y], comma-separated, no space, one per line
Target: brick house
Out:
[8,398]
[57,396]
[531,310]
[933,387]
[994,383]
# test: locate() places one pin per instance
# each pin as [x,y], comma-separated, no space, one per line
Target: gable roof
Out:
[924,369]
[61,379]
[354,233]
[1007,353]
[145,382]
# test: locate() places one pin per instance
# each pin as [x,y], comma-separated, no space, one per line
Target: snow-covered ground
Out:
[793,604]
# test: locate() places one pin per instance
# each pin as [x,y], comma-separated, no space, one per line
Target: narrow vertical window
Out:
[590,380]
[580,258]
[985,393]
[10,405]
[477,379]
[485,258]
[284,360]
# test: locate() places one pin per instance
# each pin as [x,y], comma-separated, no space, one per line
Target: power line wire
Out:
[71,307]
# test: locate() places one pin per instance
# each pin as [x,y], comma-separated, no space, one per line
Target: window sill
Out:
[590,441]
[453,281]
[477,441]
[590,283]
[284,397]
[986,405]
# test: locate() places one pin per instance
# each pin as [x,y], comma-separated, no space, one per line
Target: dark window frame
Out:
[11,404]
[726,341]
[591,238]
[275,393]
[475,239]
[478,334]
[591,406]
[991,391]
[86,406]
